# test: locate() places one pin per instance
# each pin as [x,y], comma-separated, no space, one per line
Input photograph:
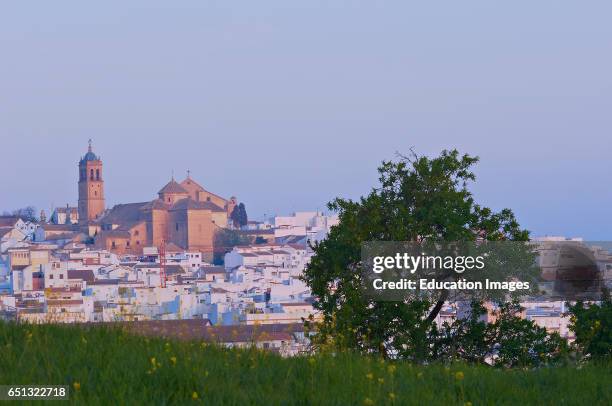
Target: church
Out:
[183,214]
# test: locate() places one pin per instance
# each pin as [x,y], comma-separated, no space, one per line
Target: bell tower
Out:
[91,187]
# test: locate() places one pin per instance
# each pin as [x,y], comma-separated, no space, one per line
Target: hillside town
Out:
[48,277]
[160,260]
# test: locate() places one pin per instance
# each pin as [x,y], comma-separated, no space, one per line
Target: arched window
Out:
[97,174]
[91,173]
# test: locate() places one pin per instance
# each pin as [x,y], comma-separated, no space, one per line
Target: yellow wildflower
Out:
[194,395]
[370,376]
[173,360]
[76,386]
[459,376]
[368,402]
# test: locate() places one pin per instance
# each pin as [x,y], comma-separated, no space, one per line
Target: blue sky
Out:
[289,104]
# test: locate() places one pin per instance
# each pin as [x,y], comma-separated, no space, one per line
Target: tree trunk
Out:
[436,309]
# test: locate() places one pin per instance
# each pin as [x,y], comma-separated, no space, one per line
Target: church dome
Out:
[90,156]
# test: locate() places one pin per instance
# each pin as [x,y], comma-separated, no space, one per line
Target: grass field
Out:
[108,366]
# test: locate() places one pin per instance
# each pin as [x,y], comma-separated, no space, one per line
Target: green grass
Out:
[115,367]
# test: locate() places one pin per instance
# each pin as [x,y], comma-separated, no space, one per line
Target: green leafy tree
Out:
[419,199]
[224,240]
[592,325]
[509,341]
[463,339]
[239,216]
[516,341]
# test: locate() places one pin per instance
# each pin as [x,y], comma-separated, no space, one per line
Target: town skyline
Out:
[138,186]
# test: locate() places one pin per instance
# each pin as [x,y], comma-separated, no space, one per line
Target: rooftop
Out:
[173,187]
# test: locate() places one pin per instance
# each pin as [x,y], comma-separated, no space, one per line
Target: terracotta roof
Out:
[64,289]
[62,236]
[64,302]
[190,204]
[123,213]
[83,274]
[213,269]
[173,187]
[118,233]
[156,204]
[189,183]
[174,268]
[8,221]
[60,227]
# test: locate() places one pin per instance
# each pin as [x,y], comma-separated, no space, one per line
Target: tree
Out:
[239,216]
[592,325]
[224,240]
[419,199]
[27,213]
[514,341]
[509,341]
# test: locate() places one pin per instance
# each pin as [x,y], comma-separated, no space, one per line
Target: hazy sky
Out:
[287,104]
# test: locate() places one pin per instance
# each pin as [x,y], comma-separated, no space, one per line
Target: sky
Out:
[288,104]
